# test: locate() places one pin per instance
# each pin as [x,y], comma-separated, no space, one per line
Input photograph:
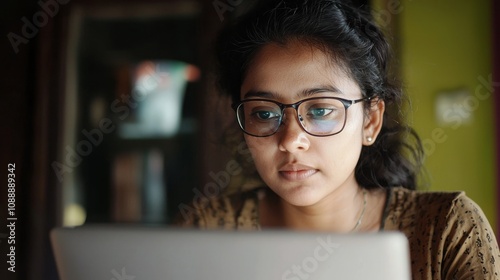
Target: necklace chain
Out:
[358,223]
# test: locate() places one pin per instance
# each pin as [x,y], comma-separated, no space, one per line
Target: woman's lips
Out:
[297,175]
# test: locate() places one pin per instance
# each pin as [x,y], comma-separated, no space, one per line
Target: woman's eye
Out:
[320,112]
[265,115]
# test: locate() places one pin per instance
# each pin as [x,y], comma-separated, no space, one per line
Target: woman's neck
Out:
[339,212]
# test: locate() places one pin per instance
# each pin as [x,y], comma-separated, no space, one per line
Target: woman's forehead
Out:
[295,67]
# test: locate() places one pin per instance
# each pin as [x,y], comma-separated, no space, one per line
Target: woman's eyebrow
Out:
[260,94]
[323,88]
[304,93]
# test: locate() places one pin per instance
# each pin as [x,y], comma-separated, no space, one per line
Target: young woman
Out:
[321,117]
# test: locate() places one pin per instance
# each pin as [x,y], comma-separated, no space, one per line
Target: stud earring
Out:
[369,139]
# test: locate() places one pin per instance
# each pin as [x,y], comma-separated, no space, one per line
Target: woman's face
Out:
[304,169]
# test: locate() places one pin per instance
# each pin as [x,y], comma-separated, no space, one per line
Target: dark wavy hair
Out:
[353,41]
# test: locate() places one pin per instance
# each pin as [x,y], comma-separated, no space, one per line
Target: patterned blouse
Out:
[449,235]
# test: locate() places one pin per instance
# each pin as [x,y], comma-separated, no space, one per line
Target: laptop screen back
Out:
[137,253]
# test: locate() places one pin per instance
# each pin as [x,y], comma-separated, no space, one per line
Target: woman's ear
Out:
[373,121]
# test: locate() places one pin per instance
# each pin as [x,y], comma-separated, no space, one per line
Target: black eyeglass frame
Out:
[346,102]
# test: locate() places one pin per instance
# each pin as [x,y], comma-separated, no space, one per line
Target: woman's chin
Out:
[300,197]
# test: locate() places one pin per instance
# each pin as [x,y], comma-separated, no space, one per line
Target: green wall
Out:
[443,46]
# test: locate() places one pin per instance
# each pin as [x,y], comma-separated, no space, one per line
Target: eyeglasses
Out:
[318,116]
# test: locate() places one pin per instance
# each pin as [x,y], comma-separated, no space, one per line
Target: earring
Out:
[369,139]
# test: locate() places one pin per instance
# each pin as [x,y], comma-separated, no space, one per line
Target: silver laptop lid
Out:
[148,253]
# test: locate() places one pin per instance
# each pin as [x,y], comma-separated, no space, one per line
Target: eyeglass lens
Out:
[317,116]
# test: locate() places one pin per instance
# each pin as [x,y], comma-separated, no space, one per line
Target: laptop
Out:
[149,253]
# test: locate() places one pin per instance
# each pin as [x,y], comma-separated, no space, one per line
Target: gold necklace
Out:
[358,223]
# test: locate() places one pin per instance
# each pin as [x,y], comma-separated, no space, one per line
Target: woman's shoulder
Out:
[406,206]
[401,200]
[449,234]
[238,210]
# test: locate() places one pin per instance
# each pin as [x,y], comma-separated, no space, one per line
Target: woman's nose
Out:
[292,137]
